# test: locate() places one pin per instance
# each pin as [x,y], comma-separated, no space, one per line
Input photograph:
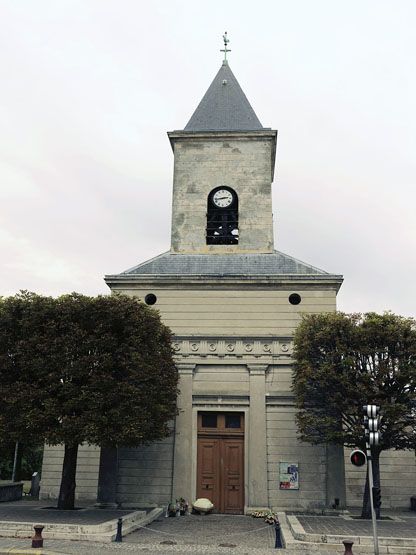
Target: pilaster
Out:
[257,443]
[335,486]
[182,469]
[107,478]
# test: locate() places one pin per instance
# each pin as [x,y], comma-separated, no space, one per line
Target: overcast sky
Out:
[90,87]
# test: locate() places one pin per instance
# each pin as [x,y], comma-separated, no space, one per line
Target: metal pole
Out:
[16,450]
[119,535]
[373,513]
[278,543]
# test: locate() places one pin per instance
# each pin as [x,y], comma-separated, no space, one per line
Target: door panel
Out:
[209,469]
[233,483]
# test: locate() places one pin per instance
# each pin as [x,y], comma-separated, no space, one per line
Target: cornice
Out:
[284,398]
[224,282]
[217,399]
[215,135]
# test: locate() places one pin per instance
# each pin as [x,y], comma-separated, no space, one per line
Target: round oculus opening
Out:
[150,298]
[294,298]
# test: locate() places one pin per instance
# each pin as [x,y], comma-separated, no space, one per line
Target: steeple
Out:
[224,106]
[224,164]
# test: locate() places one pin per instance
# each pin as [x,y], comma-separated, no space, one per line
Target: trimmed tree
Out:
[24,337]
[102,373]
[343,362]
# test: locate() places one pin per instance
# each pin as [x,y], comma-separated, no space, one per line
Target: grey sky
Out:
[90,87]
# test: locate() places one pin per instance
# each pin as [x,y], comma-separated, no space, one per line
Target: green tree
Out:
[23,334]
[346,361]
[82,369]
[29,460]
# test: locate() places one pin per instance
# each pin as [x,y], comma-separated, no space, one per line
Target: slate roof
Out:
[224,107]
[275,263]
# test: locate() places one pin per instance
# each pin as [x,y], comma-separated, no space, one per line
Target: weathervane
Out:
[225,49]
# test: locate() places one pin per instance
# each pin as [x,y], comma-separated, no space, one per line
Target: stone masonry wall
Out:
[398,479]
[245,165]
[283,446]
[145,474]
[218,311]
[87,472]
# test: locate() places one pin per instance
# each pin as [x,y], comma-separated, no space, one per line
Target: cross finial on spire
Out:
[225,49]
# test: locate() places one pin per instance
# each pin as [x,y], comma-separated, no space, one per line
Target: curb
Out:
[32,551]
[104,532]
[296,539]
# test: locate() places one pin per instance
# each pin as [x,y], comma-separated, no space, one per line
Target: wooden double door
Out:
[220,472]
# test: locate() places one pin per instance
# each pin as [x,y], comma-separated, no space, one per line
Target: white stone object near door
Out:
[203,505]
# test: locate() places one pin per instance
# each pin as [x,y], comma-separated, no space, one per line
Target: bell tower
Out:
[223,171]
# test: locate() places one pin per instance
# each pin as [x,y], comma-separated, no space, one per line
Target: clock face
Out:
[222,198]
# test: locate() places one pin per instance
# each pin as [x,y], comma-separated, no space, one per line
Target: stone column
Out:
[182,462]
[335,476]
[257,443]
[107,478]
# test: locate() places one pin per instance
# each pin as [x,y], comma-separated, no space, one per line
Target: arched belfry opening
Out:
[222,216]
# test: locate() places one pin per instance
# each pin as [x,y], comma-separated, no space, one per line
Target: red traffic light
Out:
[358,457]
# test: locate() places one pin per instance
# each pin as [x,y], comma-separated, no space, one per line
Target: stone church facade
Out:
[233,303]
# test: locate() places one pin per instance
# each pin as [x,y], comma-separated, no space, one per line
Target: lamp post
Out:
[372,435]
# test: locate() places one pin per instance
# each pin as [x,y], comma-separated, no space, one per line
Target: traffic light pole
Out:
[370,487]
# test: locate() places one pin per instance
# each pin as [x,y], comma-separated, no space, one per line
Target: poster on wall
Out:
[289,475]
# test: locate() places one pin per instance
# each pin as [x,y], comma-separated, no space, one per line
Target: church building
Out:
[232,302]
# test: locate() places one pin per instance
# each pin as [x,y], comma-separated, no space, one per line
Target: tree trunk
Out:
[366,509]
[19,463]
[16,454]
[66,498]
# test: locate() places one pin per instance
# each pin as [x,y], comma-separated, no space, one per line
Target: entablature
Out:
[241,349]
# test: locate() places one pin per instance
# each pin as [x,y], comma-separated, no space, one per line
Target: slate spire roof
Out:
[224,107]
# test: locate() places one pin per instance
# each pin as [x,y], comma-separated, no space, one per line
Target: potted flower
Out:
[182,505]
[171,510]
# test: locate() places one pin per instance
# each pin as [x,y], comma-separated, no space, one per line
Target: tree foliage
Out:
[29,460]
[346,361]
[80,369]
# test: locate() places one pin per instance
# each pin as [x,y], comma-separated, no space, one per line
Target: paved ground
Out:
[209,535]
[77,548]
[31,511]
[403,528]
[214,530]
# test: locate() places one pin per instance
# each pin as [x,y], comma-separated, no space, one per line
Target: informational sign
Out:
[289,475]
